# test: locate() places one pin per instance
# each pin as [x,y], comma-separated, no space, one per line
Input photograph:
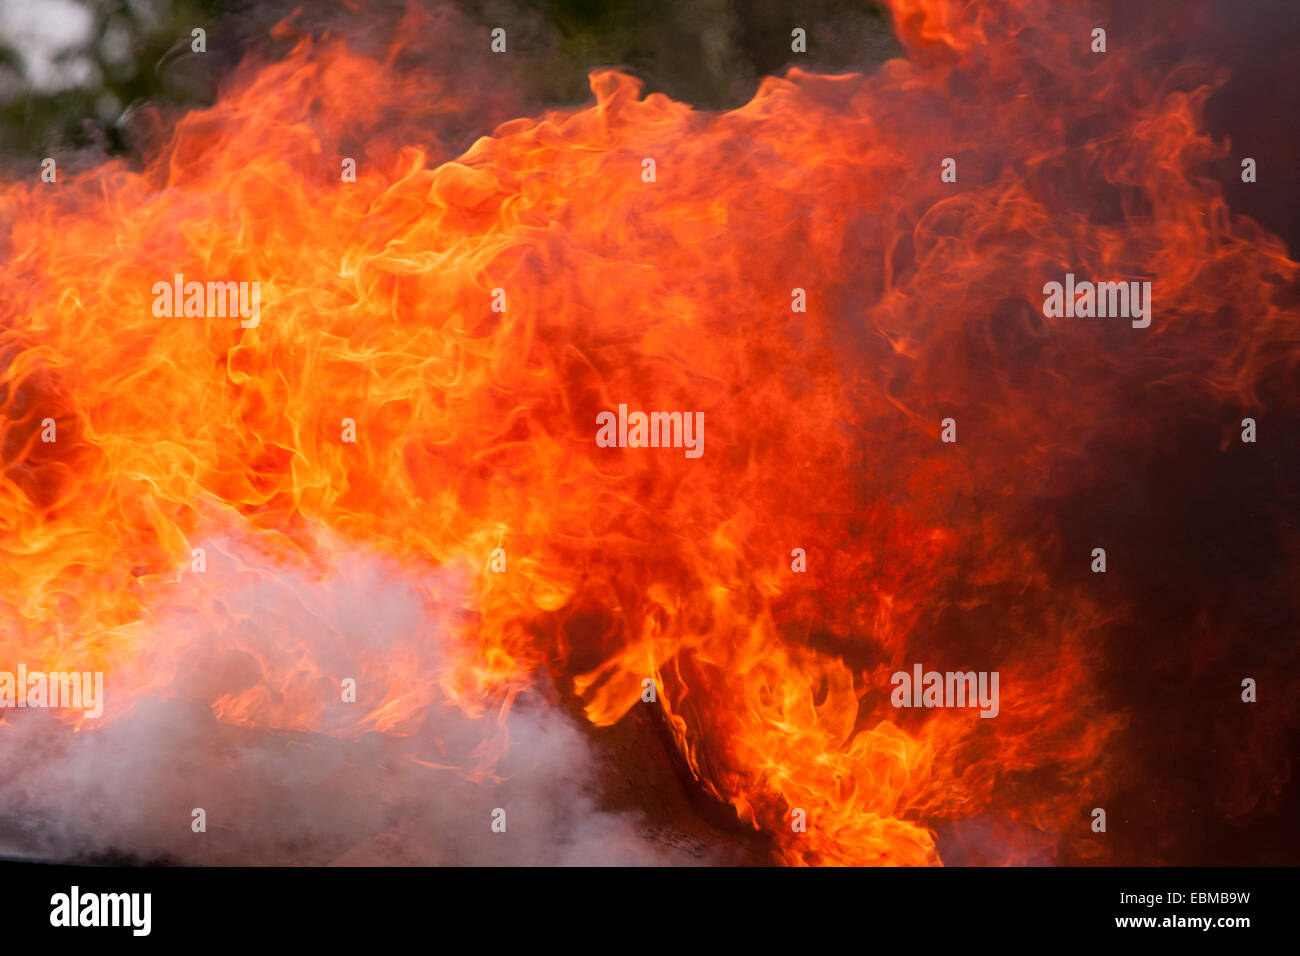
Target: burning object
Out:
[381,430]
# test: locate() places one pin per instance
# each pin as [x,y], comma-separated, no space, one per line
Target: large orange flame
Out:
[475,428]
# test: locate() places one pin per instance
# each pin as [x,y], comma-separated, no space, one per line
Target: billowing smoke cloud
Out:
[215,711]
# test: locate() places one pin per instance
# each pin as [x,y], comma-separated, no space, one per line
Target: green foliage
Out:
[711,53]
[35,122]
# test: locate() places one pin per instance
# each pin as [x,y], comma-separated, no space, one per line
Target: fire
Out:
[475,429]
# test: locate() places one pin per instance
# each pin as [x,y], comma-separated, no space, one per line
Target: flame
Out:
[475,428]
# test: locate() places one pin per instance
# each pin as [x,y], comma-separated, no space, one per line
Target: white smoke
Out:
[124,787]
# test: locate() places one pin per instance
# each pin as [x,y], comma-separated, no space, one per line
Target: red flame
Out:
[475,428]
